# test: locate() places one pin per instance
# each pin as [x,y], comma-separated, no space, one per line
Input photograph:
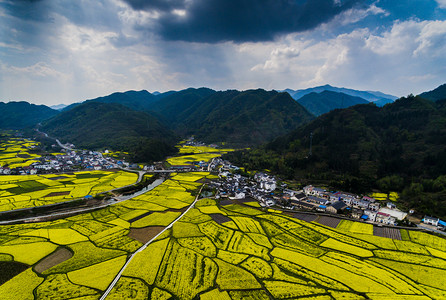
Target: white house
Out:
[431,220]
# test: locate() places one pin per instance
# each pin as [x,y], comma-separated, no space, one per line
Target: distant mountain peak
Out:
[325,101]
[370,96]
[58,106]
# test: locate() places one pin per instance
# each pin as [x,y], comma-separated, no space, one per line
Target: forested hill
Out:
[321,103]
[401,146]
[437,94]
[18,115]
[136,100]
[98,125]
[238,118]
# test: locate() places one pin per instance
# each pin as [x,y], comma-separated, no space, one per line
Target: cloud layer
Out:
[60,51]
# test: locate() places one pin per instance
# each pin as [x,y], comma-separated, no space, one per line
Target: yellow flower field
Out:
[15,152]
[201,149]
[17,191]
[217,252]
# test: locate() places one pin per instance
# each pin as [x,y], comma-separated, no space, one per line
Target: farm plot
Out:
[201,149]
[327,221]
[355,227]
[392,233]
[191,159]
[36,190]
[15,153]
[252,254]
[274,256]
[80,255]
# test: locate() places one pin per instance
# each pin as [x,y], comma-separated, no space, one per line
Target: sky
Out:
[65,51]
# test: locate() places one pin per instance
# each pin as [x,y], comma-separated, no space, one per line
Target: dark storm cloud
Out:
[156,4]
[31,10]
[240,20]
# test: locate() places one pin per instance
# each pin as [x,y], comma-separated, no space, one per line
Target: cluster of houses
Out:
[236,186]
[263,188]
[69,161]
[365,208]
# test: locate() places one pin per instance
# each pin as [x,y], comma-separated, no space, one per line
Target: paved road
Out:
[110,287]
[430,228]
[86,209]
[62,145]
[70,212]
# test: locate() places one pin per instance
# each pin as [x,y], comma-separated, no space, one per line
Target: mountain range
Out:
[355,144]
[93,125]
[399,147]
[240,118]
[366,95]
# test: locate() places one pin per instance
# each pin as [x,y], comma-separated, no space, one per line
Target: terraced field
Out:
[14,153]
[249,254]
[258,255]
[196,154]
[78,257]
[215,251]
[35,190]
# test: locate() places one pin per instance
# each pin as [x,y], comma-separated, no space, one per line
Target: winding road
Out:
[116,279]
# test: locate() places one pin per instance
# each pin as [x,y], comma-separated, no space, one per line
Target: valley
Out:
[222,150]
[195,220]
[185,239]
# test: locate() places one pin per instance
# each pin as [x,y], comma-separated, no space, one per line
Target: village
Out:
[261,187]
[268,192]
[70,160]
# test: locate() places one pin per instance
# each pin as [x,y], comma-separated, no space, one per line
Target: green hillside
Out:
[401,146]
[101,125]
[18,115]
[437,94]
[238,118]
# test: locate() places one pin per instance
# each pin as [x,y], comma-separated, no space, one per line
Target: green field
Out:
[248,254]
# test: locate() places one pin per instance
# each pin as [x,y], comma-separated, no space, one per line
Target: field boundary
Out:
[118,276]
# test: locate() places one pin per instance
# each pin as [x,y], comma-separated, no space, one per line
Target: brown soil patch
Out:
[145,234]
[52,260]
[219,218]
[226,202]
[392,233]
[53,194]
[305,217]
[329,221]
